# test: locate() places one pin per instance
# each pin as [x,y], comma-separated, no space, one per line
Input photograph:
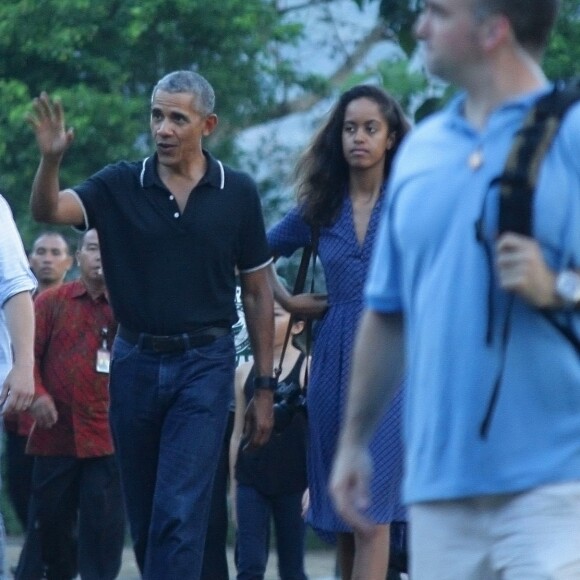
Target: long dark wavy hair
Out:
[322,171]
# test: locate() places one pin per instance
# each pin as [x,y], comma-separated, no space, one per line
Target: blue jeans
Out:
[168,415]
[254,511]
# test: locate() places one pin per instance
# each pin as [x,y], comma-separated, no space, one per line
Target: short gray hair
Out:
[186,81]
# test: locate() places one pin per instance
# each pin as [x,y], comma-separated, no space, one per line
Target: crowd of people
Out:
[120,393]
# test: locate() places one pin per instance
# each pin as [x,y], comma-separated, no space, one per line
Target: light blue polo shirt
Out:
[429,264]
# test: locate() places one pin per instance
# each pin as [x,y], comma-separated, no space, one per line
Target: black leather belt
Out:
[173,342]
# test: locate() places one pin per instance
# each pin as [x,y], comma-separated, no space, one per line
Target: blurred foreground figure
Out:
[492,436]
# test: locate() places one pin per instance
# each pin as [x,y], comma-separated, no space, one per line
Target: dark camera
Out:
[288,400]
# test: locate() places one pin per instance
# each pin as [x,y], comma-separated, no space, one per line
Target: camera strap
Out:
[309,255]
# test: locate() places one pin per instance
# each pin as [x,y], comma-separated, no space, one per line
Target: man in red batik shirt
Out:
[75,475]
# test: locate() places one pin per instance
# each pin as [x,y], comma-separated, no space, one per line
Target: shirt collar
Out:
[454,111]
[79,289]
[214,174]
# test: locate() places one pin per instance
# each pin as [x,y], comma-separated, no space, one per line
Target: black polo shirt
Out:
[169,272]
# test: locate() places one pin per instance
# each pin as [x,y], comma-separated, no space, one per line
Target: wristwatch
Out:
[265,383]
[568,287]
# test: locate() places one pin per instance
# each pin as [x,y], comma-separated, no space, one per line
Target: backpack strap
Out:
[518,181]
[517,185]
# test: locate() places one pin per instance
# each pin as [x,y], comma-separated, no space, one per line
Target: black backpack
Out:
[517,183]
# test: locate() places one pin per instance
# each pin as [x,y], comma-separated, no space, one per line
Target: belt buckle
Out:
[167,343]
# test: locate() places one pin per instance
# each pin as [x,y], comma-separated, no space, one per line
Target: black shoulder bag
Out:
[287,401]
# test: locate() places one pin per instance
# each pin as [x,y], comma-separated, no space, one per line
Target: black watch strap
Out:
[265,383]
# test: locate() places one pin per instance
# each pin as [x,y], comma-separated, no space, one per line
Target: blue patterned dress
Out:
[345,265]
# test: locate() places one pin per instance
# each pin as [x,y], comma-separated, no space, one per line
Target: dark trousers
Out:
[168,415]
[254,512]
[30,565]
[18,474]
[215,562]
[19,485]
[84,494]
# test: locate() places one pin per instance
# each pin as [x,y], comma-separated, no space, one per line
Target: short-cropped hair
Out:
[531,20]
[189,82]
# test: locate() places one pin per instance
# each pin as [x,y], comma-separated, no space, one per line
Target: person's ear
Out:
[495,30]
[210,123]
[298,327]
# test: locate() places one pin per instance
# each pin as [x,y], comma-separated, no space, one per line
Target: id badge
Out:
[103,361]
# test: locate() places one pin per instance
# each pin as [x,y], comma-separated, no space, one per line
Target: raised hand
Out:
[47,120]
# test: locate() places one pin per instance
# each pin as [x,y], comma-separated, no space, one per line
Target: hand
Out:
[522,270]
[44,412]
[48,123]
[259,419]
[309,305]
[18,390]
[349,484]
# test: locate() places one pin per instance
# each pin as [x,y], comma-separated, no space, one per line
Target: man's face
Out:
[177,127]
[449,35]
[50,259]
[89,257]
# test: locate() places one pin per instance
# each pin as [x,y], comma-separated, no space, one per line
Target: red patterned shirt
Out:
[69,332]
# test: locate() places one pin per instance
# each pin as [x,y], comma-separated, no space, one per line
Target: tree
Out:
[102,59]
[562,59]
[563,55]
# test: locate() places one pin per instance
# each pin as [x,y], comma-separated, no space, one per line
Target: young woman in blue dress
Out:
[341,182]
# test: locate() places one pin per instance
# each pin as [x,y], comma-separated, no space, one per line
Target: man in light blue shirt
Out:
[498,498]
[16,327]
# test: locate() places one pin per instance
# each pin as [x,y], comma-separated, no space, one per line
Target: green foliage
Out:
[399,16]
[563,56]
[562,59]
[103,58]
[396,77]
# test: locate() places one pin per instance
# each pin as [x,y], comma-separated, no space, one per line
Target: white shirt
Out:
[15,277]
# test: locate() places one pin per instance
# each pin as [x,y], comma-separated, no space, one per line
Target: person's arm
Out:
[304,304]
[43,409]
[241,375]
[376,374]
[522,269]
[259,313]
[18,388]
[47,202]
